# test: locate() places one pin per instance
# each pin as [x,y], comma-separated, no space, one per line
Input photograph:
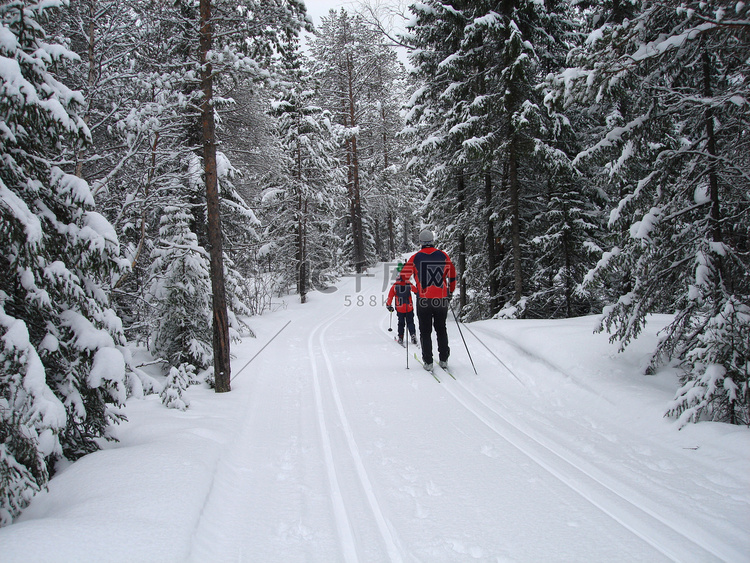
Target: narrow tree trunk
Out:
[713,179]
[515,224]
[461,191]
[406,233]
[391,237]
[301,229]
[301,255]
[494,285]
[567,251]
[222,372]
[378,240]
[357,229]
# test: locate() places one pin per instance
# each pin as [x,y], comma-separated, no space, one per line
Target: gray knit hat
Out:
[425,237]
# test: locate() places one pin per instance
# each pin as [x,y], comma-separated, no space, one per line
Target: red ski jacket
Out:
[433,272]
[402,293]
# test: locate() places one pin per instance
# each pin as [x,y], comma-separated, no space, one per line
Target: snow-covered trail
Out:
[329,449]
[343,454]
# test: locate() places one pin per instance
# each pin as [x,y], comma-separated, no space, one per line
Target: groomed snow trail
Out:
[343,454]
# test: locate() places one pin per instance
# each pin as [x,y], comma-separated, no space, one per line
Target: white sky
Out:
[320,8]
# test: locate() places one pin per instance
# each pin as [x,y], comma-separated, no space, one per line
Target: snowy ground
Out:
[329,449]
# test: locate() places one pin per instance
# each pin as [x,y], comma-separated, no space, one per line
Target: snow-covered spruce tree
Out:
[31,419]
[434,115]
[306,191]
[567,247]
[481,66]
[676,153]
[348,55]
[181,293]
[180,284]
[62,370]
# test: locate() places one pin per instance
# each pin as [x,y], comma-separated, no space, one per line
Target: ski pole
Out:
[407,346]
[462,337]
[390,322]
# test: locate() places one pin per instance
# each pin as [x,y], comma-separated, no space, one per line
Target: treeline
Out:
[595,155]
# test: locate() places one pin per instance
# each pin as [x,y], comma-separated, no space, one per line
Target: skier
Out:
[401,291]
[435,278]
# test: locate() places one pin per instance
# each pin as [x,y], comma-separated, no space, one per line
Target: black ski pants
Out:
[433,312]
[408,320]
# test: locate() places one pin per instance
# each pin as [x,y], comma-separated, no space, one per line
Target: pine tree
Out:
[350,56]
[483,125]
[306,189]
[62,366]
[674,158]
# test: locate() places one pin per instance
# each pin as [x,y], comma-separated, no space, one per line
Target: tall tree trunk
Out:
[357,229]
[302,252]
[406,241]
[515,223]
[301,230]
[222,370]
[461,194]
[713,179]
[391,237]
[567,251]
[386,163]
[378,240]
[494,284]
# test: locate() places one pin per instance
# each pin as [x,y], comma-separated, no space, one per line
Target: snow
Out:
[78,188]
[329,449]
[109,366]
[21,213]
[8,41]
[47,411]
[103,228]
[642,229]
[664,43]
[87,336]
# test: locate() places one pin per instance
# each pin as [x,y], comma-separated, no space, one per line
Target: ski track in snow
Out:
[333,451]
[675,537]
[645,523]
[342,518]
[343,524]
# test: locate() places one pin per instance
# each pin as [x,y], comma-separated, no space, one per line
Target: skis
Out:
[446,370]
[432,371]
[416,357]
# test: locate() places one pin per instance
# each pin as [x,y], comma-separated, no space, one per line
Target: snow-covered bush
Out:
[715,384]
[178,380]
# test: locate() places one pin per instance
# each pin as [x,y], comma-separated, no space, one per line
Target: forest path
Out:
[345,455]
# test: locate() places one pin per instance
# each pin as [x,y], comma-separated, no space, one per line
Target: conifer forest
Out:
[169,167]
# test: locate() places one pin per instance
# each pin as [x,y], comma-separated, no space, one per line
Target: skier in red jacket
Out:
[435,278]
[401,291]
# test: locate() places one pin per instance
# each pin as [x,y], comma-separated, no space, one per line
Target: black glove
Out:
[389,307]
